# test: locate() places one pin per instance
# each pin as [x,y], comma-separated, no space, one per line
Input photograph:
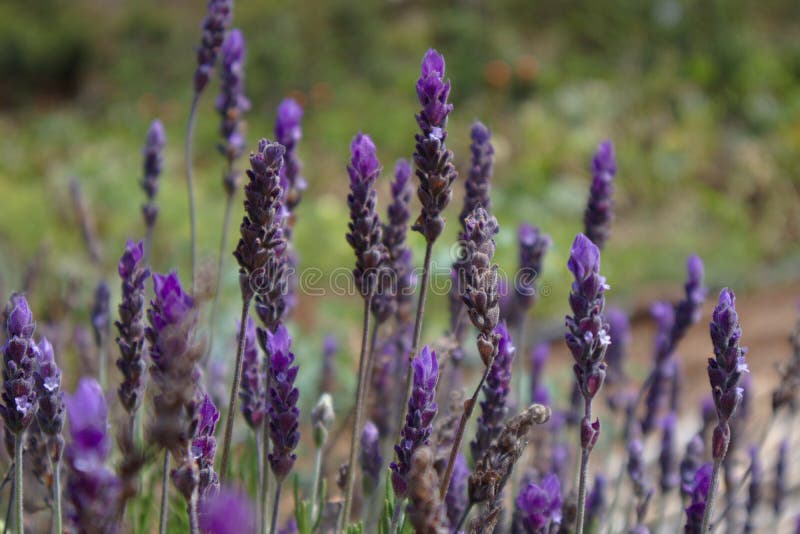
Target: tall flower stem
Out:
[18,494]
[162,523]
[274,520]
[357,420]
[582,474]
[191,510]
[263,504]
[148,242]
[373,340]
[237,378]
[57,498]
[315,497]
[426,265]
[260,467]
[712,491]
[189,183]
[469,407]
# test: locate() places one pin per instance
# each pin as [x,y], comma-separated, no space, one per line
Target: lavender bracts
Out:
[252,393]
[421,411]
[538,506]
[435,168]
[599,209]
[231,103]
[697,491]
[152,152]
[50,415]
[725,369]
[131,326]
[92,488]
[283,395]
[394,239]
[288,133]
[494,405]
[217,19]
[426,511]
[365,232]
[19,358]
[204,445]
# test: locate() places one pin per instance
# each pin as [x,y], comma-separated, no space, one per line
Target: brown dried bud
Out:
[426,511]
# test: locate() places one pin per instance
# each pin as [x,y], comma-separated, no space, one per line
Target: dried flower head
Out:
[426,511]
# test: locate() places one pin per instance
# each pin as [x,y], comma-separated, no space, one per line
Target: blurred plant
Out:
[154,144]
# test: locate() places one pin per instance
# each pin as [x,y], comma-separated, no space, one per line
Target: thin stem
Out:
[18,492]
[226,220]
[260,468]
[712,491]
[519,368]
[11,494]
[101,359]
[373,340]
[57,497]
[148,242]
[162,523]
[357,421]
[315,497]
[426,264]
[469,407]
[275,507]
[237,378]
[191,510]
[398,506]
[463,517]
[582,474]
[189,185]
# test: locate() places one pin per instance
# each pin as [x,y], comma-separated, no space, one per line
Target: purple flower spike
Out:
[371,460]
[131,326]
[434,163]
[231,104]
[421,411]
[154,146]
[669,469]
[456,498]
[329,349]
[478,183]
[698,491]
[288,133]
[692,460]
[394,239]
[365,233]
[532,247]
[494,406]
[599,209]
[283,395]
[725,369]
[539,505]
[91,489]
[216,22]
[19,358]
[228,512]
[539,355]
[254,379]
[48,391]
[204,445]
[587,332]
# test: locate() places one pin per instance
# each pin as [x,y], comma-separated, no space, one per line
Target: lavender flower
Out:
[698,491]
[779,493]
[261,248]
[329,350]
[19,357]
[253,390]
[754,489]
[539,505]
[231,103]
[725,369]
[435,168]
[371,461]
[288,133]
[456,497]
[587,332]
[227,512]
[92,488]
[692,460]
[214,25]
[421,411]
[283,395]
[394,239]
[131,326]
[539,356]
[204,445]
[636,468]
[494,405]
[50,415]
[532,247]
[153,159]
[101,317]
[364,227]
[599,209]
[666,459]
[322,417]
[477,186]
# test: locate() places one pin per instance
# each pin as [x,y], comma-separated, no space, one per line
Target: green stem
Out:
[260,489]
[274,521]
[148,243]
[162,523]
[57,497]
[191,510]
[582,474]
[18,491]
[189,183]
[357,420]
[315,496]
[237,378]
[265,447]
[712,492]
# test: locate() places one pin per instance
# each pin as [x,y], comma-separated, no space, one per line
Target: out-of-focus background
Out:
[701,100]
